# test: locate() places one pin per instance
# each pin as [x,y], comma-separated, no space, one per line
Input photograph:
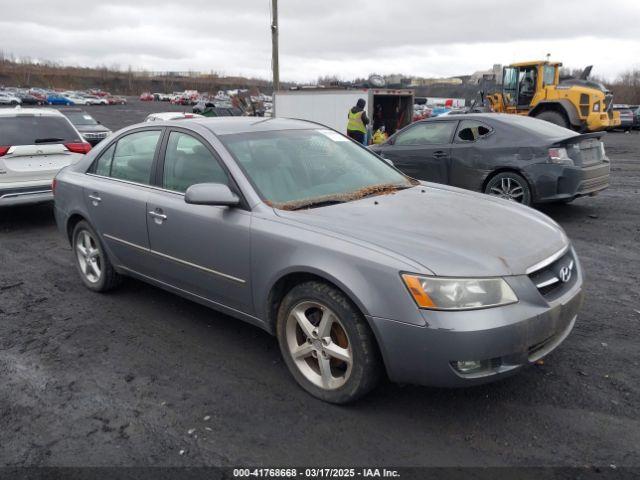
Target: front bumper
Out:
[504,339]
[25,195]
[95,137]
[552,183]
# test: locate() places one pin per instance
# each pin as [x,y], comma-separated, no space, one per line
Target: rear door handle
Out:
[440,154]
[95,199]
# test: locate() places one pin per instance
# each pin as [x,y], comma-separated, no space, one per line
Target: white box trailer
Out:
[392,108]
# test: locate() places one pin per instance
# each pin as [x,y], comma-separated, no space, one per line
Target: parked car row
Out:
[37,96]
[223,103]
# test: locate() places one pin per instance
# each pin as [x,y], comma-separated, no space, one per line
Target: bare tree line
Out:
[24,72]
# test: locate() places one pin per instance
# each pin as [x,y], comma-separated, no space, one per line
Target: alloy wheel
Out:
[509,188]
[319,345]
[89,257]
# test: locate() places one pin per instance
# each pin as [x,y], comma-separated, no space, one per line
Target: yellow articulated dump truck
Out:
[535,89]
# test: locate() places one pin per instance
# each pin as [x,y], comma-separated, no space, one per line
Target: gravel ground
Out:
[142,377]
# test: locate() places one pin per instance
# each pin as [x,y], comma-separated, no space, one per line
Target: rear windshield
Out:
[31,130]
[541,127]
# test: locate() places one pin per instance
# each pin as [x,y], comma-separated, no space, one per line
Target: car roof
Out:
[173,115]
[466,116]
[230,125]
[19,111]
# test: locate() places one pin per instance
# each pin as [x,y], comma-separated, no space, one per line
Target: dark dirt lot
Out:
[138,376]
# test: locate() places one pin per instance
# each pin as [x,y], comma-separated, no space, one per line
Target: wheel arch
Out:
[518,171]
[72,221]
[561,106]
[292,277]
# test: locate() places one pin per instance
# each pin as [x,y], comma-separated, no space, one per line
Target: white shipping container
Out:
[331,107]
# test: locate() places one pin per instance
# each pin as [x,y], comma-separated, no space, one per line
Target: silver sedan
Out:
[355,267]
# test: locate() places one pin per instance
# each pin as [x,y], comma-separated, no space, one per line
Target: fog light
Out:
[468,366]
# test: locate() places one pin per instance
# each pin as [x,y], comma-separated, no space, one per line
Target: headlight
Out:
[439,293]
[596,107]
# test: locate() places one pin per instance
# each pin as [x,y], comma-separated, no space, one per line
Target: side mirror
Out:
[211,194]
[390,141]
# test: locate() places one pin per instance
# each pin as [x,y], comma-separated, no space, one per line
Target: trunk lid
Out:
[585,150]
[34,162]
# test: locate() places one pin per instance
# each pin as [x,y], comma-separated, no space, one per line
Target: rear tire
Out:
[94,267]
[327,344]
[510,186]
[553,117]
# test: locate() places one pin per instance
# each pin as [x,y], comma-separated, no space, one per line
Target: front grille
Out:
[557,277]
[95,135]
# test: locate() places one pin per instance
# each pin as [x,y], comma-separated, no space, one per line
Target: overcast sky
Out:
[347,38]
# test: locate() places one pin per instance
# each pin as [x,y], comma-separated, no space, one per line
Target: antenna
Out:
[548,56]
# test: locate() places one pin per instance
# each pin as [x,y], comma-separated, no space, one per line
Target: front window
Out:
[510,85]
[549,75]
[301,168]
[426,133]
[187,162]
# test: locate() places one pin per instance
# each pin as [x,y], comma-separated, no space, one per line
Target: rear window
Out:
[540,127]
[32,130]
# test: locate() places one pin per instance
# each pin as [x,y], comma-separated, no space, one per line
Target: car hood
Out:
[449,231]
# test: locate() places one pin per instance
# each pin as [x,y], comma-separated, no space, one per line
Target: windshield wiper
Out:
[316,204]
[380,189]
[47,140]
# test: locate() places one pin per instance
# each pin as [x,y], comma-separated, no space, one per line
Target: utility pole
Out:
[274,48]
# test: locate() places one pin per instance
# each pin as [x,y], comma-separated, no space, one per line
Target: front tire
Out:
[554,117]
[327,344]
[94,267]
[510,186]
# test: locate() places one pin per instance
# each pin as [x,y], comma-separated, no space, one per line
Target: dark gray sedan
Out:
[518,158]
[356,268]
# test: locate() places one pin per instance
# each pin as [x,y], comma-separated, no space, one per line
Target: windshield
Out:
[81,118]
[296,168]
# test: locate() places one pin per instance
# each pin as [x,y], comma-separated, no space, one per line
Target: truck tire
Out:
[553,117]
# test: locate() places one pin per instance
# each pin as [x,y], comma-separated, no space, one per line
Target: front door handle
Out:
[158,216]
[440,154]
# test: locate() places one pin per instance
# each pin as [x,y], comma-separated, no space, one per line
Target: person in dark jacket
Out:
[358,121]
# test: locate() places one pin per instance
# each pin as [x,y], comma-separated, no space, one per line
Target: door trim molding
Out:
[174,259]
